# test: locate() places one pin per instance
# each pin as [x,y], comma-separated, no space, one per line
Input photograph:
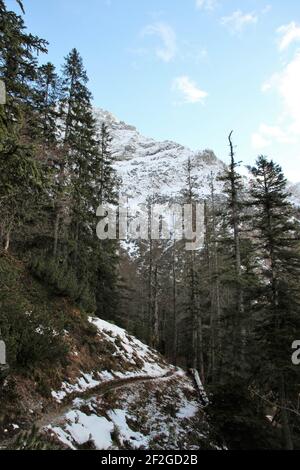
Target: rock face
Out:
[151,168]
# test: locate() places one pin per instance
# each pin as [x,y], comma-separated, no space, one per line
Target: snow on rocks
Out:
[81,428]
[132,351]
[162,414]
[142,362]
[166,412]
[148,167]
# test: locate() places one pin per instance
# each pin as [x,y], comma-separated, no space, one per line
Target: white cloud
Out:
[289,91]
[286,85]
[259,142]
[238,20]
[266,86]
[189,89]
[167,35]
[289,33]
[206,4]
[274,132]
[269,134]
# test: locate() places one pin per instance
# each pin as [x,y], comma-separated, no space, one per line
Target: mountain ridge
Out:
[149,167]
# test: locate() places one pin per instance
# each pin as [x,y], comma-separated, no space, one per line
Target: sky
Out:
[188,70]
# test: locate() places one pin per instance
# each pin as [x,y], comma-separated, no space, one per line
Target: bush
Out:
[31,337]
[237,418]
[63,280]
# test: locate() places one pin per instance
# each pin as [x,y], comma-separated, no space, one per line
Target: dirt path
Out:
[56,412]
[55,415]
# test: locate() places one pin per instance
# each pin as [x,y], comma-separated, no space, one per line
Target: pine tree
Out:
[46,100]
[233,217]
[277,308]
[78,194]
[18,64]
[21,174]
[105,174]
[80,145]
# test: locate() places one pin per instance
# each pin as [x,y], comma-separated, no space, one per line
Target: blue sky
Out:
[189,70]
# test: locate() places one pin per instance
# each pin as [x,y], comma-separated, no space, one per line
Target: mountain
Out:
[148,167]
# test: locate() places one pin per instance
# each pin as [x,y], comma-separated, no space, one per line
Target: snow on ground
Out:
[160,414]
[131,348]
[188,410]
[166,412]
[143,362]
[82,428]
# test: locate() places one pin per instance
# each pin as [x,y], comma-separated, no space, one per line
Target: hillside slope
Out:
[85,382]
[154,406]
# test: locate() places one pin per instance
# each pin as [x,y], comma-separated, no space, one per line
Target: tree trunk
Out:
[174,306]
[56,232]
[239,340]
[156,334]
[7,240]
[286,430]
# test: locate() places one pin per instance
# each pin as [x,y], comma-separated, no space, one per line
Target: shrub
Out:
[31,337]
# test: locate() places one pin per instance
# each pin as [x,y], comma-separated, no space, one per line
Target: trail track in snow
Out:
[56,414]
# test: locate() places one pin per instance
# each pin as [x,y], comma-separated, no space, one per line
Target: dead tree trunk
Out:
[174,293]
[239,341]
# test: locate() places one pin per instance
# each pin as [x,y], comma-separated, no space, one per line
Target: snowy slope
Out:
[161,414]
[130,358]
[155,406]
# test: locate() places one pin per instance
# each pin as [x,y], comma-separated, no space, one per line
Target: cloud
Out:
[289,33]
[189,89]
[206,4]
[167,35]
[259,142]
[286,85]
[267,135]
[238,21]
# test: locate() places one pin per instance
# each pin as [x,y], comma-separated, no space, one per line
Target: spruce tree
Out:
[277,307]
[104,172]
[20,172]
[232,213]
[46,100]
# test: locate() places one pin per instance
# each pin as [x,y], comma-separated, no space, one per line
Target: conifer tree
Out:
[233,217]
[105,174]
[277,307]
[18,63]
[21,174]
[46,100]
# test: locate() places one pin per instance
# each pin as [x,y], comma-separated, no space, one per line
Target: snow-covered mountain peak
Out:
[148,167]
